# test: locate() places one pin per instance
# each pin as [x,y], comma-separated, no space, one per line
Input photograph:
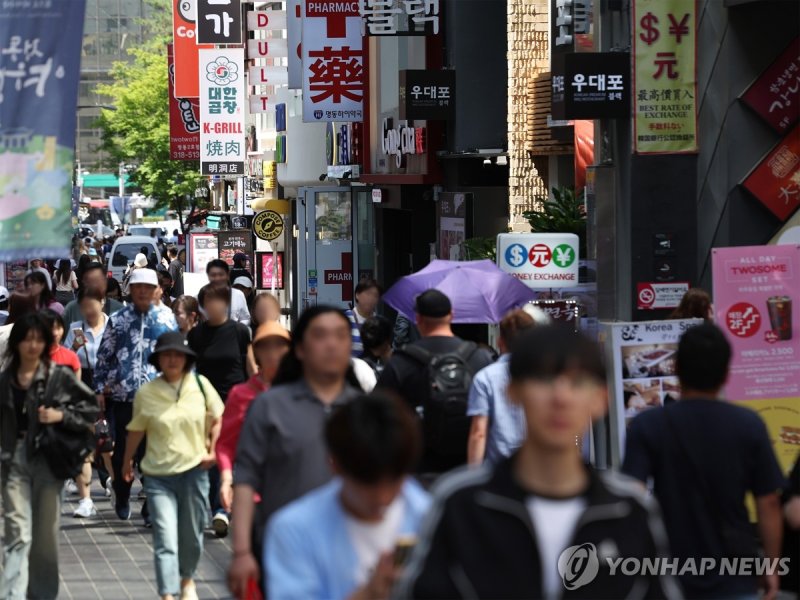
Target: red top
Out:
[239,399]
[64,356]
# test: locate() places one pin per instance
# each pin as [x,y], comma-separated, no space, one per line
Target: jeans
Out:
[179,510]
[32,500]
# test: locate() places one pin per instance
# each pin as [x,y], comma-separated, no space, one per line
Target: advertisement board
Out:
[452,233]
[540,260]
[776,179]
[333,62]
[775,95]
[664,76]
[230,243]
[591,85]
[184,39]
[202,250]
[641,360]
[269,269]
[184,124]
[222,112]
[219,22]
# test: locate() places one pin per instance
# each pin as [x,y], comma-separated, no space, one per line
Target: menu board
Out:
[202,250]
[236,242]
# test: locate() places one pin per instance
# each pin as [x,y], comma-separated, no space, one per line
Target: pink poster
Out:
[757,304]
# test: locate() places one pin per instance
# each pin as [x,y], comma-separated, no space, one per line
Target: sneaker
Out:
[123,511]
[109,487]
[85,509]
[189,592]
[148,524]
[70,488]
[220,524]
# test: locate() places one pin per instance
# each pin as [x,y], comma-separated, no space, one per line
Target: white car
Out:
[125,250]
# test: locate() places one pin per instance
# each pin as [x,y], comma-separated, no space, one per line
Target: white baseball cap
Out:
[4,295]
[243,281]
[144,276]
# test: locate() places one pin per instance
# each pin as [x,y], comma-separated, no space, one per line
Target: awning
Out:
[102,180]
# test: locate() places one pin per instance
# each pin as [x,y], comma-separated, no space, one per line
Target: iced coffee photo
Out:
[780,316]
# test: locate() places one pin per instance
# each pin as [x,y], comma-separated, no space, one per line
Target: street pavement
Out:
[105,558]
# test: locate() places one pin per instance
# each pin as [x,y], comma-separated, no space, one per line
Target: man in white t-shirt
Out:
[218,271]
[348,538]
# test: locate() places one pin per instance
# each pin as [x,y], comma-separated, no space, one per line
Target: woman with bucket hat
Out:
[179,413]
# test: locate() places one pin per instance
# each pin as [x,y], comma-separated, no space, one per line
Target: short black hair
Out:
[374,437]
[552,350]
[368,284]
[218,291]
[90,292]
[375,332]
[23,326]
[703,358]
[91,266]
[217,263]
[52,318]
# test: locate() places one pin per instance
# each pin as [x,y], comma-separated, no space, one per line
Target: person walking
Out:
[715,453]
[60,355]
[93,275]
[34,393]
[339,540]
[123,367]
[367,295]
[376,335]
[220,344]
[281,453]
[36,284]
[177,265]
[265,308]
[178,414]
[66,282]
[508,530]
[187,313]
[695,304]
[434,376]
[498,427]
[39,266]
[218,271]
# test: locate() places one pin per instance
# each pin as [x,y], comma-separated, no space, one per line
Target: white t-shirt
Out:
[554,522]
[370,540]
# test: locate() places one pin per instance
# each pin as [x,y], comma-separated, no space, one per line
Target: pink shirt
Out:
[239,399]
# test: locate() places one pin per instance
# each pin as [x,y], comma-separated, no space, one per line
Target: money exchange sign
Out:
[222,112]
[665,78]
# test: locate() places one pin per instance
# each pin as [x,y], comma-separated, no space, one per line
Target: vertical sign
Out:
[185,41]
[219,22]
[294,21]
[775,95]
[222,112]
[756,293]
[665,77]
[39,73]
[776,180]
[184,126]
[333,62]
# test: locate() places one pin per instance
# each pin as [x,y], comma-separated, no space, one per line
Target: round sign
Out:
[540,255]
[267,225]
[516,254]
[564,255]
[743,319]
[647,296]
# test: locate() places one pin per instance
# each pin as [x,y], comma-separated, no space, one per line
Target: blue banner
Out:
[40,53]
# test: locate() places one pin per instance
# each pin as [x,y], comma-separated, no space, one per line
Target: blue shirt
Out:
[92,342]
[129,339]
[488,398]
[355,332]
[308,552]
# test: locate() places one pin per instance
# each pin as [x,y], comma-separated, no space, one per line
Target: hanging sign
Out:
[776,180]
[219,22]
[184,124]
[410,17]
[540,260]
[186,48]
[268,225]
[775,95]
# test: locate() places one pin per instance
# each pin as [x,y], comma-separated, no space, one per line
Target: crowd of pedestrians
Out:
[457,477]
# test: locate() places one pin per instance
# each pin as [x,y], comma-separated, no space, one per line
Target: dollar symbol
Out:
[516,255]
[650,33]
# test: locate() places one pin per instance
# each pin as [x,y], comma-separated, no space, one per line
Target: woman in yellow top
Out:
[179,412]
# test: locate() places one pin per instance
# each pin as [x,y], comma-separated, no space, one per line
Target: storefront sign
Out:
[452,224]
[268,225]
[271,48]
[562,311]
[266,20]
[184,126]
[386,17]
[184,39]
[756,294]
[776,180]
[231,243]
[269,269]
[665,78]
[202,250]
[540,260]
[657,296]
[219,22]
[40,56]
[294,21]
[591,85]
[267,76]
[222,112]
[403,140]
[562,26]
[428,95]
[775,95]
[333,62]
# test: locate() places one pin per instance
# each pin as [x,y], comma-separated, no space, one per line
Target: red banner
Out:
[187,61]
[775,95]
[184,123]
[776,181]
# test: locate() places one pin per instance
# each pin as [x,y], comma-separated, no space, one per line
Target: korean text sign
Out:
[428,94]
[184,124]
[39,71]
[219,21]
[222,112]
[333,62]
[540,260]
[665,78]
[756,298]
[775,95]
[184,39]
[401,17]
[776,180]
[591,85]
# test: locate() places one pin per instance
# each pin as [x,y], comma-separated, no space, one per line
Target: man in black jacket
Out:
[542,524]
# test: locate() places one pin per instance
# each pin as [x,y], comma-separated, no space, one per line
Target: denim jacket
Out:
[123,357]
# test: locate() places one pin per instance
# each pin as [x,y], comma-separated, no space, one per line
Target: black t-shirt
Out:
[731,448]
[221,354]
[791,537]
[19,395]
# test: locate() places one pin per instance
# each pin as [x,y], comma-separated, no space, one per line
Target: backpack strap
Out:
[200,385]
[416,353]
[465,350]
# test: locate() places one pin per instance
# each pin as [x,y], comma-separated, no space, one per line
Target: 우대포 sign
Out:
[222,112]
[592,85]
[428,94]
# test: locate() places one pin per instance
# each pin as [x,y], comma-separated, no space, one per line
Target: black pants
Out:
[119,415]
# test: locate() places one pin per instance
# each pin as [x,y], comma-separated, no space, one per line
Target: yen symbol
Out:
[564,255]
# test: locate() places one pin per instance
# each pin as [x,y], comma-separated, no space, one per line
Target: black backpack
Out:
[445,423]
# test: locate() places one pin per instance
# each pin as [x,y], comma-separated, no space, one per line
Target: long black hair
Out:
[64,271]
[20,330]
[46,297]
[291,368]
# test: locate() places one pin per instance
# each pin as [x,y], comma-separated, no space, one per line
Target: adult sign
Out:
[540,260]
[222,112]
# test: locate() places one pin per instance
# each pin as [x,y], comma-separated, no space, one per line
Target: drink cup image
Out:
[780,316]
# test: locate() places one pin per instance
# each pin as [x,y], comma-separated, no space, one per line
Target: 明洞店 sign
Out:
[222,111]
[775,95]
[665,77]
[333,62]
[400,17]
[427,95]
[591,85]
[219,22]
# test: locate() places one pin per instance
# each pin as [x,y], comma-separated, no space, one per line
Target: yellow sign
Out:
[665,76]
[268,225]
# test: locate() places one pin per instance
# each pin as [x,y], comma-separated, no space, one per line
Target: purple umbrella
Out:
[479,290]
